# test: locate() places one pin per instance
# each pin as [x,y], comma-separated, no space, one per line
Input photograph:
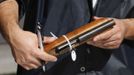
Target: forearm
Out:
[129,24]
[9,19]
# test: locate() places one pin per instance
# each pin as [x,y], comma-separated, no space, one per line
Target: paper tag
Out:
[44,68]
[73,55]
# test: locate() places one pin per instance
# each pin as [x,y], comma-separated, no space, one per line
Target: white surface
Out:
[1,39]
[7,63]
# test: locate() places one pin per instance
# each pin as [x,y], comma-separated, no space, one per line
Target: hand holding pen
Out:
[41,46]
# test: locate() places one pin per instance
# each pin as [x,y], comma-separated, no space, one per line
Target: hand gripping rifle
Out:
[78,36]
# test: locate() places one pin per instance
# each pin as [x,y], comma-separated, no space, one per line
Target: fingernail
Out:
[27,68]
[55,59]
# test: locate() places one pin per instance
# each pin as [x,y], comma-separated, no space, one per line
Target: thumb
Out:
[96,18]
[48,39]
[45,56]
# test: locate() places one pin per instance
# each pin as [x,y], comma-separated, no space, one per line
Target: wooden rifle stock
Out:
[78,36]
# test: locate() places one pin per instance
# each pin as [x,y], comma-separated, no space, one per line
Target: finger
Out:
[112,44]
[45,56]
[48,39]
[35,61]
[95,17]
[104,36]
[96,44]
[99,45]
[29,66]
[26,67]
[90,42]
[117,37]
[110,47]
[32,63]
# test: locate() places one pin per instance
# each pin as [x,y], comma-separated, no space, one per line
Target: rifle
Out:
[78,36]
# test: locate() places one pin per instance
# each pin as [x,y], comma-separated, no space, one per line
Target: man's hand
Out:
[26,52]
[24,44]
[110,39]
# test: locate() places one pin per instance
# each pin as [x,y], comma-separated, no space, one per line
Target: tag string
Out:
[69,43]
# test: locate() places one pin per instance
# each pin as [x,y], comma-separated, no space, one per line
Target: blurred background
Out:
[7,63]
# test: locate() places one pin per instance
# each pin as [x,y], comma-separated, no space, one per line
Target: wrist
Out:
[125,26]
[129,29]
[12,32]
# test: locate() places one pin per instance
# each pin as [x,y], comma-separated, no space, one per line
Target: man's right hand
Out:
[24,45]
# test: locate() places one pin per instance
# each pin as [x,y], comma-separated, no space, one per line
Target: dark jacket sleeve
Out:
[131,13]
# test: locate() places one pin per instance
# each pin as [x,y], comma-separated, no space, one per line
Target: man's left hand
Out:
[112,38]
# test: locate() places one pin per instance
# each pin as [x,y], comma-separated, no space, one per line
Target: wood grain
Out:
[50,48]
